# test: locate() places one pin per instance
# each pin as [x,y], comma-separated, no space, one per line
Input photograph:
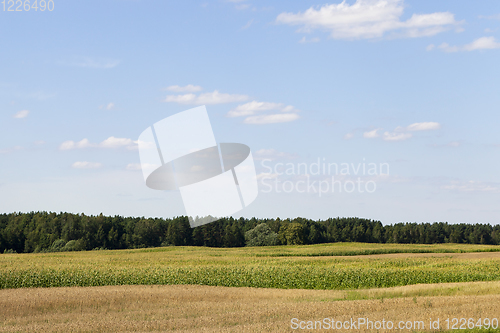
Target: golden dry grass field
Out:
[185,308]
[189,289]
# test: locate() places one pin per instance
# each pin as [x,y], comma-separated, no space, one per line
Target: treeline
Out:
[47,232]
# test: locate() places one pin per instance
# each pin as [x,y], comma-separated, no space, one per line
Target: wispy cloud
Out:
[401,133]
[388,136]
[141,166]
[445,47]
[371,134]
[253,107]
[242,6]
[239,4]
[86,165]
[312,40]
[109,106]
[98,63]
[113,142]
[483,43]
[366,19]
[134,166]
[471,186]
[249,110]
[246,26]
[189,88]
[348,136]
[490,17]
[271,119]
[452,144]
[68,145]
[21,114]
[110,142]
[214,97]
[425,126]
[38,95]
[10,150]
[430,47]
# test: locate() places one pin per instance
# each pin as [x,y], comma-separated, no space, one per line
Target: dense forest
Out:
[49,232]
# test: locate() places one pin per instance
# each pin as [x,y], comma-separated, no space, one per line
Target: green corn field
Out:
[285,267]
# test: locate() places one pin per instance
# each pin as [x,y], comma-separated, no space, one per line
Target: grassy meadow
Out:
[188,308]
[325,266]
[186,289]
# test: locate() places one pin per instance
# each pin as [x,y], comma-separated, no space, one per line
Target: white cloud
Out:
[368,19]
[188,88]
[139,166]
[239,4]
[252,107]
[288,113]
[109,106]
[490,17]
[371,134]
[396,136]
[271,118]
[445,47]
[98,63]
[113,142]
[453,144]
[430,47]
[10,150]
[483,43]
[134,166]
[348,136]
[18,148]
[110,142]
[402,133]
[246,26]
[242,6]
[86,165]
[214,97]
[68,145]
[21,114]
[312,40]
[425,126]
[289,108]
[471,186]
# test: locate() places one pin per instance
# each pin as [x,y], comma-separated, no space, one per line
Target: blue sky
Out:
[414,84]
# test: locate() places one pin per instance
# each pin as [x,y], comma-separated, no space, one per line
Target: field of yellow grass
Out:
[185,308]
